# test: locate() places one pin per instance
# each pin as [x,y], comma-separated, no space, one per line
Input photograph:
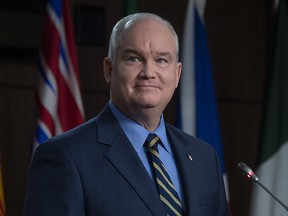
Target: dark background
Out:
[238,32]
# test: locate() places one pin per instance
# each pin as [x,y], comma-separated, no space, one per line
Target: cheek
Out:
[122,79]
[171,81]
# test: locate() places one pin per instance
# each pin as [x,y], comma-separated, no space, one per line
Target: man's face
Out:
[145,72]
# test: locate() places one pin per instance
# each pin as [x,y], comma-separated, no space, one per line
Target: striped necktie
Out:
[166,189]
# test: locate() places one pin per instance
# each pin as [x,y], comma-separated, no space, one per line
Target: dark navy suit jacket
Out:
[94,170]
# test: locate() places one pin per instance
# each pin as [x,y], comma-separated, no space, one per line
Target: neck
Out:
[148,119]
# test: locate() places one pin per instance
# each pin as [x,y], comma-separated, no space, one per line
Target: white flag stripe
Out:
[187,78]
[226,184]
[201,5]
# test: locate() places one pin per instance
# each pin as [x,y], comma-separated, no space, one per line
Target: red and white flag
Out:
[58,92]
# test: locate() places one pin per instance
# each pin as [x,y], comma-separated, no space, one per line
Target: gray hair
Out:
[129,20]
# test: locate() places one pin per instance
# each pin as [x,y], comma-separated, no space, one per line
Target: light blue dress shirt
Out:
[137,135]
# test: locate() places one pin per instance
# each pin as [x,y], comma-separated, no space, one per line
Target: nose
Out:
[148,70]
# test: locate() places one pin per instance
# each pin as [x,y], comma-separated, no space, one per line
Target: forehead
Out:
[148,33]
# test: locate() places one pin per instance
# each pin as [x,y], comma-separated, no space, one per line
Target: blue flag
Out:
[197,113]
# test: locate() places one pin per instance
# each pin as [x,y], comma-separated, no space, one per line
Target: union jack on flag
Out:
[58,95]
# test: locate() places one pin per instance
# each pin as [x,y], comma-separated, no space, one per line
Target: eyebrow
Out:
[128,51]
[133,51]
[165,54]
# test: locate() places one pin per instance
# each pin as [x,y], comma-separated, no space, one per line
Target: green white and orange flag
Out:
[272,167]
[2,201]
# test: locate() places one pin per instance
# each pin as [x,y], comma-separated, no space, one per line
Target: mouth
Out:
[147,86]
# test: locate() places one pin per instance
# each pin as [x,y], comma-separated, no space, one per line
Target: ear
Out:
[107,66]
[178,73]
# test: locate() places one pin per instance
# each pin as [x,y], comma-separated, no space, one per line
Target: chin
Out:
[142,104]
[148,105]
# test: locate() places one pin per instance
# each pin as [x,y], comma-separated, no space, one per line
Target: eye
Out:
[133,59]
[161,60]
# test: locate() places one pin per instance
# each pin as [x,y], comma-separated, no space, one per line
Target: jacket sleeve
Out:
[54,186]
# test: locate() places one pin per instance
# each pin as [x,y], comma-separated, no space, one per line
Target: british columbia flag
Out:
[58,96]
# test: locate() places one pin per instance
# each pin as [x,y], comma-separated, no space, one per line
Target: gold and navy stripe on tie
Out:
[167,192]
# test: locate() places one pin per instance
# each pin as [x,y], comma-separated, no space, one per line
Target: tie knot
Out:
[151,140]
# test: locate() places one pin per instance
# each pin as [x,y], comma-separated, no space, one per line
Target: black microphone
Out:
[248,172]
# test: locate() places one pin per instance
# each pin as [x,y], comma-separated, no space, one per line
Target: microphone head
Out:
[247,171]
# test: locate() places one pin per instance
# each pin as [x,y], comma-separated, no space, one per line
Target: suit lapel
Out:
[125,159]
[185,164]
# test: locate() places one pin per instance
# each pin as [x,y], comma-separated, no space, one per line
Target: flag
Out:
[130,7]
[2,200]
[272,168]
[58,96]
[197,108]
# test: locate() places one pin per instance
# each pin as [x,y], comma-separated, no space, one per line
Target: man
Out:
[104,167]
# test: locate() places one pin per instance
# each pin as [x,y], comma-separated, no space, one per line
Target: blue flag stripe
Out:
[206,109]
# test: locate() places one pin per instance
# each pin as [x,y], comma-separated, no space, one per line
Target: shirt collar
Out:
[136,133]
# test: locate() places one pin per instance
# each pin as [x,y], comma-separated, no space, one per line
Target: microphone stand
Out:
[271,194]
[248,172]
